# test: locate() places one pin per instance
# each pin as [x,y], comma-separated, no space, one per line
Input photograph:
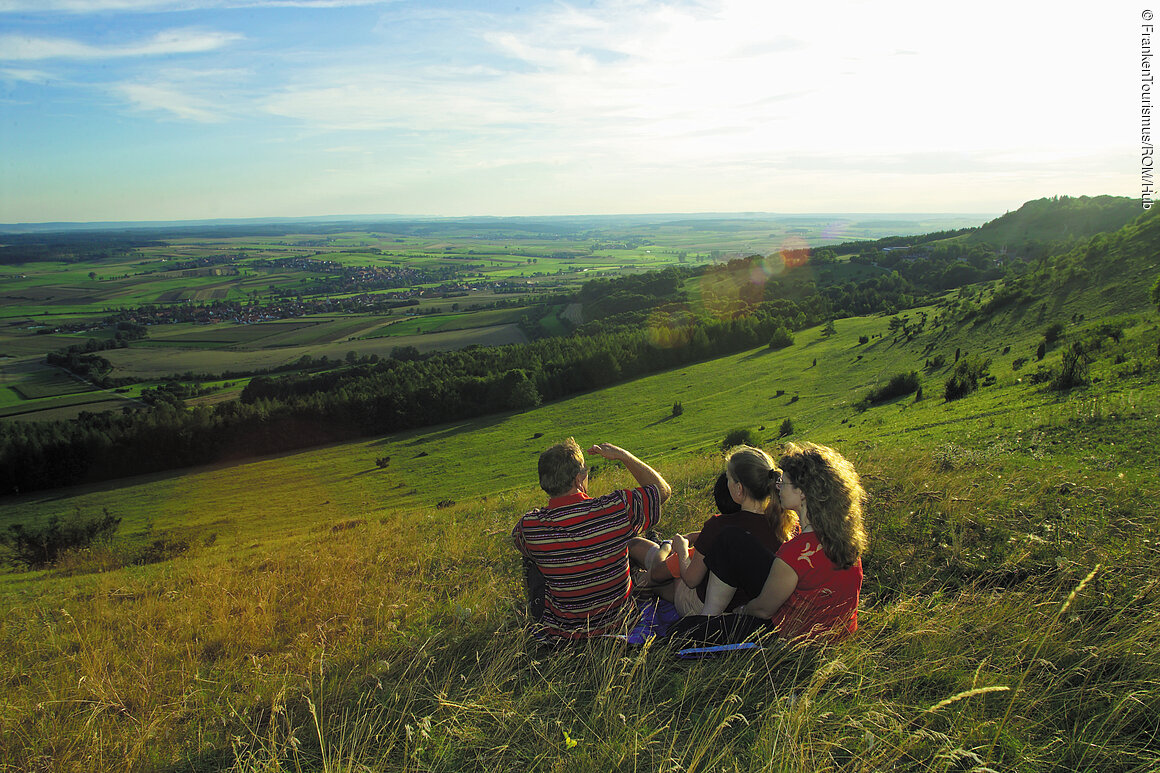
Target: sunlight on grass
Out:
[319,613]
[394,642]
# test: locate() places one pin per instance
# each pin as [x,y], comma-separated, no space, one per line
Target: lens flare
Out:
[670,329]
[727,289]
[795,251]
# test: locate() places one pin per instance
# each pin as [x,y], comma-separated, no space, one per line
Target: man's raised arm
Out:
[645,475]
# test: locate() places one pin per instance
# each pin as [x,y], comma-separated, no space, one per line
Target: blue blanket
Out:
[656,616]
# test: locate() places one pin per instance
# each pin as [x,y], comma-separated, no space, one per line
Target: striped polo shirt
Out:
[580,544]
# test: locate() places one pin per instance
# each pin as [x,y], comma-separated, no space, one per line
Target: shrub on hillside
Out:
[742,436]
[105,555]
[1073,370]
[1042,375]
[678,409]
[786,428]
[965,378]
[900,385]
[36,548]
[781,338]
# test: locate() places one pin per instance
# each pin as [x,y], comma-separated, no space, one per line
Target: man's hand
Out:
[608,451]
[645,475]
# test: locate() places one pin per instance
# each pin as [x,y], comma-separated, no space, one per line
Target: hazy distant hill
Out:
[1055,221]
[875,224]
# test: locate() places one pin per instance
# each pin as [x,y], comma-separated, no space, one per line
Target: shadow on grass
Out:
[422,435]
[763,352]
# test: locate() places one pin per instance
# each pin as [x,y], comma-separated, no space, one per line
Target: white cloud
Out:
[167,42]
[21,75]
[169,99]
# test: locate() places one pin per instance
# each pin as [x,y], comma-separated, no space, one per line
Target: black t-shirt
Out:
[754,523]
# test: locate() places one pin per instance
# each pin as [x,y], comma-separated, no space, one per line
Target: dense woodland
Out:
[635,325]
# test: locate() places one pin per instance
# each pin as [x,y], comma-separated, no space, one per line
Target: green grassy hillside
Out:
[315,612]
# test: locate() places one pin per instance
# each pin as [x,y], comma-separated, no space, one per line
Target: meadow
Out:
[314,611]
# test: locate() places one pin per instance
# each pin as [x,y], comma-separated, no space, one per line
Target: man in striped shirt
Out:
[578,547]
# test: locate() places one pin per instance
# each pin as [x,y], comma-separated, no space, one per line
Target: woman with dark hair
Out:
[755,515]
[808,587]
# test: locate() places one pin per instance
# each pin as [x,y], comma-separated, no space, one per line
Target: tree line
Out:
[643,324]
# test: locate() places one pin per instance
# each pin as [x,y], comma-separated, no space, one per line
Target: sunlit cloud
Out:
[174,41]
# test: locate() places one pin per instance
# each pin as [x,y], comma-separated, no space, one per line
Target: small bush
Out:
[383,462]
[786,428]
[900,384]
[678,409]
[965,378]
[781,338]
[37,548]
[1042,375]
[107,555]
[1073,371]
[160,549]
[738,437]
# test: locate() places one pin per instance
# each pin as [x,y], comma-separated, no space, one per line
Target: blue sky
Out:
[184,109]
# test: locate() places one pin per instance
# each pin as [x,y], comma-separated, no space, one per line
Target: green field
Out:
[322,606]
[437,323]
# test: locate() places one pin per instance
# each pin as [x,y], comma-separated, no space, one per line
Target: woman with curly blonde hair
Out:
[810,586]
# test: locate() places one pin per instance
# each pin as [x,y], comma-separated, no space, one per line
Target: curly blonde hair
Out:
[834,497]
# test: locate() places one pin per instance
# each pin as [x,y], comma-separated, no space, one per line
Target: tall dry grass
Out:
[394,642]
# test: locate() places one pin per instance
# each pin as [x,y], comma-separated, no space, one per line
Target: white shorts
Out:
[685,599]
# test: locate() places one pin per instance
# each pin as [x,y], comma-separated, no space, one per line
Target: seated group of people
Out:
[783,556]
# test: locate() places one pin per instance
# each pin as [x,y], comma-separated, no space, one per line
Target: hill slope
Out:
[328,614]
[1055,220]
